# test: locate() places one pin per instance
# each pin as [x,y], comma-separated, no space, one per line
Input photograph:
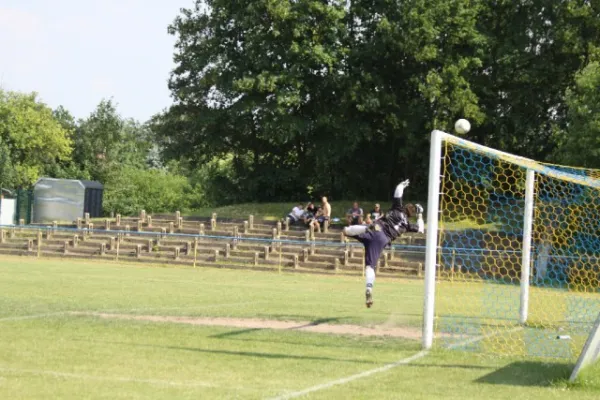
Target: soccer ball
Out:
[462,126]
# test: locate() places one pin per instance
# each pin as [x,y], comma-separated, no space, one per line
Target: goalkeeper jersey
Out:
[395,221]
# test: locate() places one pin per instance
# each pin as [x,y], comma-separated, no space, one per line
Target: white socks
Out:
[370,276]
[355,230]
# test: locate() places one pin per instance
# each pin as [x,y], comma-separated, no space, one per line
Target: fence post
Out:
[295,261]
[312,232]
[149,219]
[227,250]
[278,228]
[180,223]
[266,250]
[66,247]
[127,229]
[143,215]
[304,255]
[54,226]
[336,265]
[140,225]
[177,215]
[313,249]
[150,245]
[2,237]
[213,224]
[245,227]
[342,237]
[75,241]
[171,227]
[112,243]
[39,243]
[251,221]
[138,250]
[102,249]
[287,224]
[346,260]
[107,224]
[177,253]
[195,251]
[326,226]
[307,235]
[118,222]
[201,231]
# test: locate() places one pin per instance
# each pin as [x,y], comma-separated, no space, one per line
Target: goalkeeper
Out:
[383,231]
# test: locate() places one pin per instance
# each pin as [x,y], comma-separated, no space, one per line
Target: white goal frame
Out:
[433,204]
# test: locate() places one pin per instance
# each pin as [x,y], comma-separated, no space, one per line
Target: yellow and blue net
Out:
[481,226]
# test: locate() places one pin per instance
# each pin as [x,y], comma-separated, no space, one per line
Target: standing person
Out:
[383,231]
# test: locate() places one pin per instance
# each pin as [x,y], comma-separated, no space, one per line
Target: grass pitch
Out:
[48,351]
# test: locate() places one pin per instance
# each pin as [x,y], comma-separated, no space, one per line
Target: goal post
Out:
[512,251]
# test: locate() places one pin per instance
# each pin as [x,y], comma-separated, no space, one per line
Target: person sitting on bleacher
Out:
[296,214]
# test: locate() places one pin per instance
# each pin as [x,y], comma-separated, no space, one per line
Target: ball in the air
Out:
[462,126]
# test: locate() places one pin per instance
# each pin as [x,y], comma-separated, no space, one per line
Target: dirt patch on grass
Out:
[252,323]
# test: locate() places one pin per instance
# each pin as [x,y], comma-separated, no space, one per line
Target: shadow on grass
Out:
[251,330]
[527,373]
[237,353]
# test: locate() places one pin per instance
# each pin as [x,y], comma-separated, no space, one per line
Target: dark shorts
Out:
[374,242]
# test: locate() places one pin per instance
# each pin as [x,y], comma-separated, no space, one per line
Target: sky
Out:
[75,53]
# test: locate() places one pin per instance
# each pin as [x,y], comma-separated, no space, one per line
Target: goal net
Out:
[513,252]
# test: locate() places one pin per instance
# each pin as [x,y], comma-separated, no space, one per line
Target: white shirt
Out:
[297,212]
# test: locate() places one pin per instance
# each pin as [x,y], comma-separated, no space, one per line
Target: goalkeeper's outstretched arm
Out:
[398,193]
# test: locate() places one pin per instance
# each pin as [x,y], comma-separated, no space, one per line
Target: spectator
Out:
[376,212]
[326,216]
[309,214]
[355,215]
[296,214]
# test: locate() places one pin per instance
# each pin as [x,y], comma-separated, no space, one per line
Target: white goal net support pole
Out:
[523,174]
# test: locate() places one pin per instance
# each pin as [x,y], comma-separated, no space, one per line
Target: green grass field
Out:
[47,351]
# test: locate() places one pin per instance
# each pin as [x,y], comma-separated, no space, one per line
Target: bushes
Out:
[129,190]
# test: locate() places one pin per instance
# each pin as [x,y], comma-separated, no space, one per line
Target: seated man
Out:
[355,215]
[309,214]
[296,214]
[325,214]
[376,212]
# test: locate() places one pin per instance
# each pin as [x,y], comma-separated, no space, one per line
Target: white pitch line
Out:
[60,374]
[387,367]
[71,312]
[23,317]
[351,378]
[480,338]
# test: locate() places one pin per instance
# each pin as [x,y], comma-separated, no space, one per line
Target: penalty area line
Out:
[85,377]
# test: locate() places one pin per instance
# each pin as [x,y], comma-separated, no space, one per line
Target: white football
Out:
[462,126]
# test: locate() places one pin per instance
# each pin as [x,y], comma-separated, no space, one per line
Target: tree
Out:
[581,140]
[30,138]
[258,79]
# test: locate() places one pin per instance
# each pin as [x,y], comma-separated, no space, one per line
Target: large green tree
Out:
[581,140]
[260,80]
[30,139]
